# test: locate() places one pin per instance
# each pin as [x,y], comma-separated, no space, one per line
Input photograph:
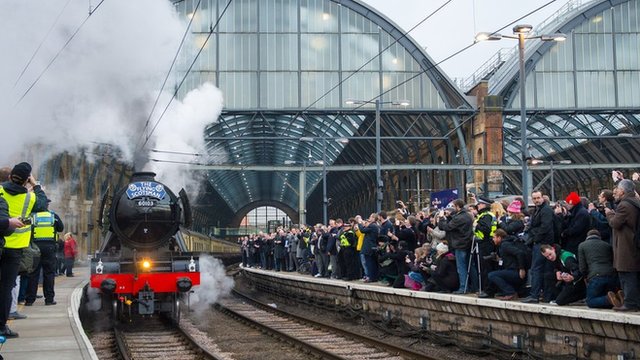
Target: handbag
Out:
[409,283]
[30,259]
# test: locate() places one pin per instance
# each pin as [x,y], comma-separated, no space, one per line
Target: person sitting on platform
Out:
[513,259]
[595,257]
[443,276]
[570,282]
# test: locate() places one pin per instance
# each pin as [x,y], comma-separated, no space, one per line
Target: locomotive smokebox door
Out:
[145,302]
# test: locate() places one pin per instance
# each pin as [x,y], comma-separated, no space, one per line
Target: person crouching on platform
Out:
[570,282]
[595,257]
[512,259]
[70,253]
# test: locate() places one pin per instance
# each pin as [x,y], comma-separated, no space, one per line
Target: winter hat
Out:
[573,198]
[442,247]
[20,173]
[514,207]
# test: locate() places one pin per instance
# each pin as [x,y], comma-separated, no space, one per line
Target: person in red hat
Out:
[575,223]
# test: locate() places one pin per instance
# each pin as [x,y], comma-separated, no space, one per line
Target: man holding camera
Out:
[21,203]
[459,233]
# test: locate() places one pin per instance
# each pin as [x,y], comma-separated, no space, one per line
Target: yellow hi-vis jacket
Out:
[20,205]
[44,226]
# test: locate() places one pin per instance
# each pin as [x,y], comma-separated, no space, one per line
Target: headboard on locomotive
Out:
[145,216]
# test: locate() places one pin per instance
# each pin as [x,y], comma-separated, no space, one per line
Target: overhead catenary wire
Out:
[91,12]
[204,44]
[55,22]
[164,83]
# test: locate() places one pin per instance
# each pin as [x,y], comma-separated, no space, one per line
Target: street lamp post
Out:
[521,33]
[378,104]
[325,201]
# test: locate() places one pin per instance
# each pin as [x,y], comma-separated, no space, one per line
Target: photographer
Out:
[575,223]
[371,231]
[459,228]
[513,258]
[402,209]
[598,218]
[570,283]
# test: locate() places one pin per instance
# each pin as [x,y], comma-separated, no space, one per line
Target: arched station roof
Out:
[286,68]
[582,95]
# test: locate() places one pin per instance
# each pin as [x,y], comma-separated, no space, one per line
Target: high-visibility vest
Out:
[344,241]
[494,225]
[44,226]
[20,205]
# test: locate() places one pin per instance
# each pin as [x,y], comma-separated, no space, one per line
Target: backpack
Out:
[30,259]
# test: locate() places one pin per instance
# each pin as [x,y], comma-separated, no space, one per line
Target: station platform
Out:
[543,328]
[52,332]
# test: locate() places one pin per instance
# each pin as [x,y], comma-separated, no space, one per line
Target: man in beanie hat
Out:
[575,223]
[23,195]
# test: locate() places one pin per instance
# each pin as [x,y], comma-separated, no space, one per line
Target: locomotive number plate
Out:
[145,203]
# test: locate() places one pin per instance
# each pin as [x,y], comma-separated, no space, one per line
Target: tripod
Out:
[474,250]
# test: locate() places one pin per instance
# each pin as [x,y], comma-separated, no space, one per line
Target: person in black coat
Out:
[443,275]
[540,233]
[512,258]
[576,223]
[570,280]
[459,234]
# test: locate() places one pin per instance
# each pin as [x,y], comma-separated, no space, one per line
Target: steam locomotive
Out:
[143,265]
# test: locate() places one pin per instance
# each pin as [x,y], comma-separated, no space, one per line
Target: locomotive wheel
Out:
[175,313]
[114,310]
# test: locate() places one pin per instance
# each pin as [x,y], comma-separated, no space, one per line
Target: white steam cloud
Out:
[101,87]
[214,283]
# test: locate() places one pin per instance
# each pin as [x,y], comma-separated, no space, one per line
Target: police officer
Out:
[46,226]
[486,225]
[21,203]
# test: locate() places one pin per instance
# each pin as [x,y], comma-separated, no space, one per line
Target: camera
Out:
[26,221]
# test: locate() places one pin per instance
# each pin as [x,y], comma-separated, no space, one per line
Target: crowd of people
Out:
[560,253]
[30,250]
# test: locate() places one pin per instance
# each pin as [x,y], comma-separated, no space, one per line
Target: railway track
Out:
[318,339]
[156,339]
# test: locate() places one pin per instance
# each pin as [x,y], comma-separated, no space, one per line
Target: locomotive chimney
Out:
[143,176]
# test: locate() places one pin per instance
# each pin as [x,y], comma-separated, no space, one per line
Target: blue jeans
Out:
[541,269]
[597,289]
[507,281]
[462,261]
[416,276]
[371,266]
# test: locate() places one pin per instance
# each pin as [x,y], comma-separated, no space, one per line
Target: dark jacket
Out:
[407,235]
[541,230]
[569,265]
[446,274]
[595,257]
[512,226]
[600,223]
[4,219]
[623,224]
[459,230]
[575,228]
[370,238]
[513,254]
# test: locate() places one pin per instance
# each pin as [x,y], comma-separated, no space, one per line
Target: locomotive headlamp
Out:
[146,264]
[192,265]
